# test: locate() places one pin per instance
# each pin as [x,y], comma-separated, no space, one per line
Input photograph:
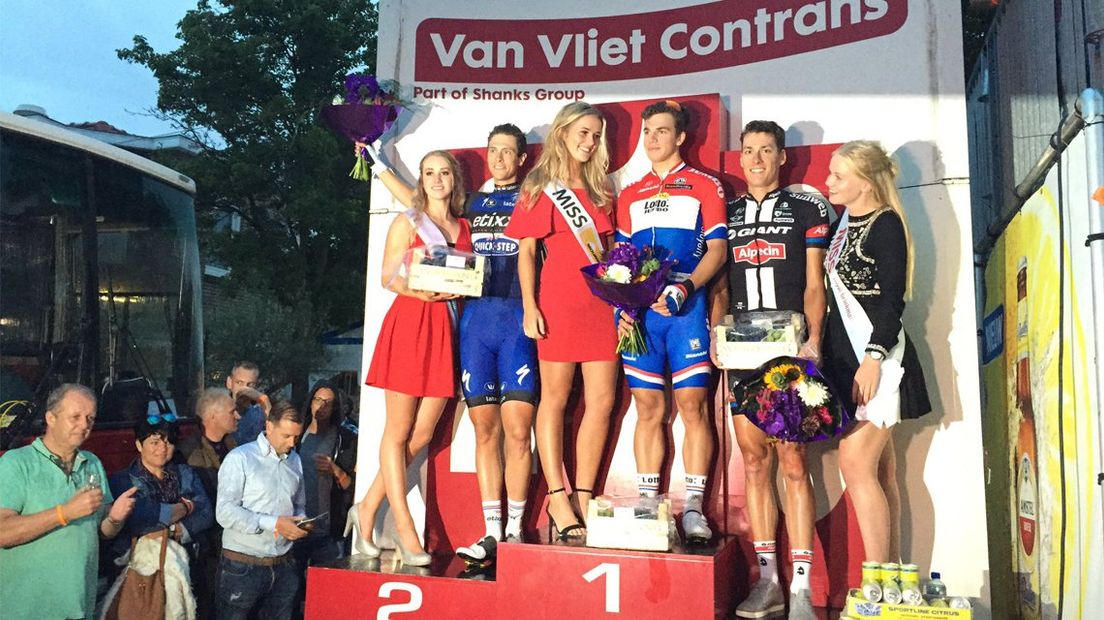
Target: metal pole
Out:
[1092,110]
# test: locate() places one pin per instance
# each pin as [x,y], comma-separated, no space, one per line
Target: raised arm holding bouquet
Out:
[365,113]
[414,360]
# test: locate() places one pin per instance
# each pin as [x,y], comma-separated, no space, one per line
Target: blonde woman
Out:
[867,355]
[414,361]
[565,205]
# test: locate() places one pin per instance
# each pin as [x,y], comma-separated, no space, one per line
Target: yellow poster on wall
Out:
[1038,362]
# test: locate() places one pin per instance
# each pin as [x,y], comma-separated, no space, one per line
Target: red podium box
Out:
[565,581]
[374,590]
[555,581]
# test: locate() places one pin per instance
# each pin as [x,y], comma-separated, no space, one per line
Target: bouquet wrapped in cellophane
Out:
[629,279]
[365,113]
[790,400]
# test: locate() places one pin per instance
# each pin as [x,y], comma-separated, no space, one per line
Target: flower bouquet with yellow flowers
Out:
[790,400]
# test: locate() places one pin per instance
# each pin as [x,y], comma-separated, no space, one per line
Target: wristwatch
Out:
[874,354]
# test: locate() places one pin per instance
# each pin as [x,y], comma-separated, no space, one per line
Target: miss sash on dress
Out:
[578,220]
[884,409]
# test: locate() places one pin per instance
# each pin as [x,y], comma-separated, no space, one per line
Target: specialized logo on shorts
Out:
[759,252]
[465,378]
[522,373]
[695,344]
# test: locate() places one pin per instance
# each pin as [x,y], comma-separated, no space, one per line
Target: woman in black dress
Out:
[867,355]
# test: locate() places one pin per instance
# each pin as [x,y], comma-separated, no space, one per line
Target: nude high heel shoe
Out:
[352,525]
[420,558]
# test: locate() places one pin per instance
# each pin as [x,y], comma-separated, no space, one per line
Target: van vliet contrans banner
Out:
[828,72]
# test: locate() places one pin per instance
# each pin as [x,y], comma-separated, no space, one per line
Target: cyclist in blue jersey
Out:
[498,361]
[680,210]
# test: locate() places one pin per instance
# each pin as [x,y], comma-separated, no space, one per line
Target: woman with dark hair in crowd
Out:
[328,451]
[170,495]
[415,360]
[565,206]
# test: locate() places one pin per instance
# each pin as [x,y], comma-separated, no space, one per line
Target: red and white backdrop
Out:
[828,72]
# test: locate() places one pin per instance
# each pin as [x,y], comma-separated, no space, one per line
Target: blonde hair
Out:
[456,199]
[554,163]
[869,161]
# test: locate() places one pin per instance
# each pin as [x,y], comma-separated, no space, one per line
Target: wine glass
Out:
[92,480]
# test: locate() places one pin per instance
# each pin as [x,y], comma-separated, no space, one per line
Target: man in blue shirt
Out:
[260,501]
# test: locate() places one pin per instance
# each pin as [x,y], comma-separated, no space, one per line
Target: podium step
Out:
[556,581]
[563,580]
[356,587]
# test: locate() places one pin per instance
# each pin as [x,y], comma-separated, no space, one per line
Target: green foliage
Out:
[248,81]
[282,340]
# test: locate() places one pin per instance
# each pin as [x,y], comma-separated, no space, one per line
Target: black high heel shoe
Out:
[564,534]
[578,507]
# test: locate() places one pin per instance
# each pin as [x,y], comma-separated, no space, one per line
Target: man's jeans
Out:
[244,587]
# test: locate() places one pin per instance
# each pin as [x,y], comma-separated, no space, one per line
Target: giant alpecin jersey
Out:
[767,243]
[489,213]
[679,213]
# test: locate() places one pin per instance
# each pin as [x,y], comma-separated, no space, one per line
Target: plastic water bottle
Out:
[935,591]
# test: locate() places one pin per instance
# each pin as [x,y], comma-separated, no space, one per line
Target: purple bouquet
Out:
[629,279]
[789,399]
[367,111]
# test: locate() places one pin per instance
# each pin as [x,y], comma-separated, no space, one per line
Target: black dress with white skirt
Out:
[873,267]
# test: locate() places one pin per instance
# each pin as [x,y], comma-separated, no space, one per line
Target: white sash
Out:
[885,408]
[430,235]
[426,229]
[578,220]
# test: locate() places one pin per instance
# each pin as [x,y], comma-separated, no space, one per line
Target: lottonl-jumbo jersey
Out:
[767,243]
[679,212]
[489,213]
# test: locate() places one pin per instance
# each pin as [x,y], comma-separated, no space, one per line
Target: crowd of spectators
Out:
[232,494]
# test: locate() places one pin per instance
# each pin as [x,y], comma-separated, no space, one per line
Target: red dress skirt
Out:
[415,353]
[579,326]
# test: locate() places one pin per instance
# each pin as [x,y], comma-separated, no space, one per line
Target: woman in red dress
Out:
[571,325]
[414,360]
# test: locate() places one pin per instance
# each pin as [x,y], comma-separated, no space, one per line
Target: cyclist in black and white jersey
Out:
[776,241]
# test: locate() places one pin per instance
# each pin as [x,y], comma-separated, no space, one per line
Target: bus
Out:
[99,283]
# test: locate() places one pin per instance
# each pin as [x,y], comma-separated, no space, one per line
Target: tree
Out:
[247,82]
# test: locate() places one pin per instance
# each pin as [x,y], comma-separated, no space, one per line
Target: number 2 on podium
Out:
[387,589]
[612,572]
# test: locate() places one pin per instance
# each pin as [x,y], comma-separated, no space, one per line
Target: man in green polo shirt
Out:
[54,506]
